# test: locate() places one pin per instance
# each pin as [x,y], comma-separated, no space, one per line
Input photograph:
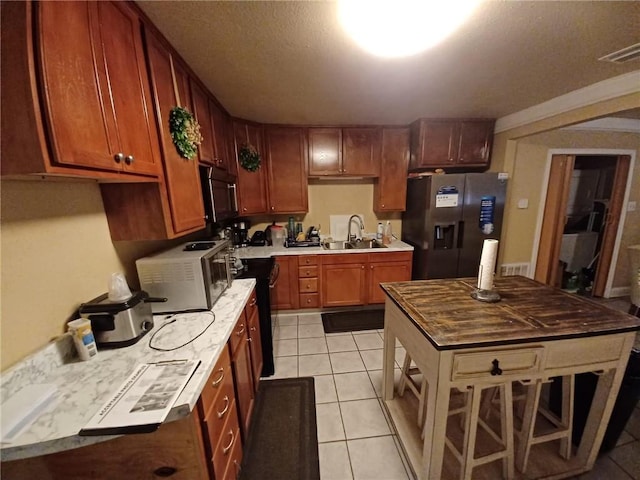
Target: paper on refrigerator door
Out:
[487,264]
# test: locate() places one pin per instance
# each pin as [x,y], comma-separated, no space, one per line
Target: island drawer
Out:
[497,363]
[585,351]
[308,272]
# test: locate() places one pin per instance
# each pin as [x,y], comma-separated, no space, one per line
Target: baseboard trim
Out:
[619,292]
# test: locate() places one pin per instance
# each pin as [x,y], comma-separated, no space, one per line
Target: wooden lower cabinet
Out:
[343,280]
[386,267]
[309,281]
[243,376]
[285,295]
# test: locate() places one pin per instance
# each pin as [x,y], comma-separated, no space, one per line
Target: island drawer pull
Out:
[226,407]
[218,380]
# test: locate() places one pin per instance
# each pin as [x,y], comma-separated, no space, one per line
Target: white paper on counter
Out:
[487,264]
[23,408]
[144,400]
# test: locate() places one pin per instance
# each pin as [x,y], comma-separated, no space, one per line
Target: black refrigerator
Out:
[447,219]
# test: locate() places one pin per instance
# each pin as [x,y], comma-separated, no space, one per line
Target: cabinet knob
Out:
[451,159]
[273,208]
[308,300]
[118,157]
[244,209]
[129,159]
[362,267]
[383,205]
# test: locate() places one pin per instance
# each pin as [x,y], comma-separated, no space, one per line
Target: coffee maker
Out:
[241,233]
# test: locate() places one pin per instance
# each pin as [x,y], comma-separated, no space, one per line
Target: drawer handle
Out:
[241,331]
[226,449]
[226,407]
[217,381]
[253,302]
[496,370]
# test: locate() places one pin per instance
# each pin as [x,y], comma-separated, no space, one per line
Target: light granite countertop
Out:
[266,252]
[82,387]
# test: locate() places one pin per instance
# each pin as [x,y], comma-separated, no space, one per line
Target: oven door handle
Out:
[273,276]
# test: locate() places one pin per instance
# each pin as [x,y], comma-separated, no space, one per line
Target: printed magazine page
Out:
[144,400]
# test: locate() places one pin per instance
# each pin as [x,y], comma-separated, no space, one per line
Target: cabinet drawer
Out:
[229,436]
[220,380]
[584,351]
[235,461]
[309,300]
[344,258]
[308,260]
[252,305]
[217,415]
[308,285]
[478,365]
[239,333]
[390,257]
[307,272]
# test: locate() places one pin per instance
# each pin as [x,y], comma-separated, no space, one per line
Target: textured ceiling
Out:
[290,62]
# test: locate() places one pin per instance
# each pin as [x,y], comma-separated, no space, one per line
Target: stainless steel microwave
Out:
[219,196]
[191,276]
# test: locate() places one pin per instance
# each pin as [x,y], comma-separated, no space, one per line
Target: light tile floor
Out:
[355,437]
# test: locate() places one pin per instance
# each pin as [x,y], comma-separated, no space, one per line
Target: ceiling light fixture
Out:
[400,28]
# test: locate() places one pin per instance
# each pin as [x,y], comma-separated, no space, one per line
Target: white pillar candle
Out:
[487,264]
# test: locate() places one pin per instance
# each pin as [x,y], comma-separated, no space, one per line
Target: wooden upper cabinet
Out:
[202,114]
[450,143]
[390,189]
[286,160]
[92,88]
[220,124]
[475,142]
[325,151]
[361,151]
[169,78]
[252,186]
[349,151]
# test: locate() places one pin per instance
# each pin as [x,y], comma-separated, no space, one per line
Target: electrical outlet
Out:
[523,203]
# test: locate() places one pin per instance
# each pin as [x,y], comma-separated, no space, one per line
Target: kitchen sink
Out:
[353,245]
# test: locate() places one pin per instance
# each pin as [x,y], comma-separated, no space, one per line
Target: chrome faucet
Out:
[353,237]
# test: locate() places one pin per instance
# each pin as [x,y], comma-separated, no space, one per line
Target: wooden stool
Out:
[564,424]
[466,457]
[419,391]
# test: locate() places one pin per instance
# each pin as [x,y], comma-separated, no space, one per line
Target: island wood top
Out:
[528,311]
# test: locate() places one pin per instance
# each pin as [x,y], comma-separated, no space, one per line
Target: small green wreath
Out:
[249,157]
[185,132]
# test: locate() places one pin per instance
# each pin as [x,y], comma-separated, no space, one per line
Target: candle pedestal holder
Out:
[489,296]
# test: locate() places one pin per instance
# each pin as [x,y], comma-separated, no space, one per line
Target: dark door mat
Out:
[353,321]
[283,441]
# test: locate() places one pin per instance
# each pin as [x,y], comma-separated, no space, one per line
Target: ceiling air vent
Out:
[625,55]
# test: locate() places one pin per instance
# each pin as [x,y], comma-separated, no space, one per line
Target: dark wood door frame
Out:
[553,221]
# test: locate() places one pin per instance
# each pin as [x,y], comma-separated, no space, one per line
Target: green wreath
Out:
[249,158]
[185,132]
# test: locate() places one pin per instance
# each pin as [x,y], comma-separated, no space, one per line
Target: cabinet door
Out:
[252,186]
[390,189]
[325,151]
[343,284]
[181,175]
[82,131]
[285,294]
[380,272]
[286,160]
[433,143]
[255,344]
[361,151]
[121,43]
[203,116]
[244,384]
[219,122]
[475,142]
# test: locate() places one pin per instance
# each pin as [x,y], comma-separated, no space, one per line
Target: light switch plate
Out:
[631,207]
[523,203]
